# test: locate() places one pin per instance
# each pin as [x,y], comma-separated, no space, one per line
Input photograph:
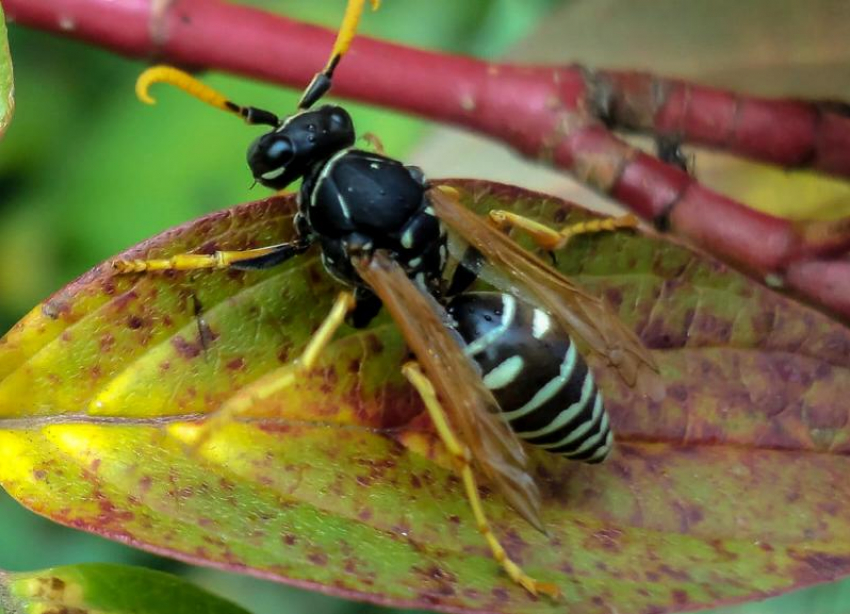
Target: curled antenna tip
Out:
[142,87]
[188,84]
[154,74]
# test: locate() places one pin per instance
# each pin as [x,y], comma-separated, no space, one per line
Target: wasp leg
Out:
[462,458]
[280,379]
[552,240]
[259,258]
[367,306]
[374,141]
[466,272]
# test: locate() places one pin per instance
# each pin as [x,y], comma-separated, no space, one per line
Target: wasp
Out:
[492,368]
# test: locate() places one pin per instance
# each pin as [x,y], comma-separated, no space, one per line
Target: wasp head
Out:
[285,154]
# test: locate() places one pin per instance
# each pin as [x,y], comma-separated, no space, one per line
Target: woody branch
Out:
[562,115]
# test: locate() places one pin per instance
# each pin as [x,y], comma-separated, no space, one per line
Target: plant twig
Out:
[560,115]
[787,133]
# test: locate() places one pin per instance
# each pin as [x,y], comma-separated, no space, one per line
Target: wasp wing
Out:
[521,273]
[470,406]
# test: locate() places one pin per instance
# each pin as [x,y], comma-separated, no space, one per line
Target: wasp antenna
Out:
[347,30]
[187,83]
[321,83]
[183,81]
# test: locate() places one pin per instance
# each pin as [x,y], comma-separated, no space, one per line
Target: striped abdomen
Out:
[542,384]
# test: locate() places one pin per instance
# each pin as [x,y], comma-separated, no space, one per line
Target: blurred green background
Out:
[86,171]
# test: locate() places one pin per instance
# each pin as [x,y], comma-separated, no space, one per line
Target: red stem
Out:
[549,113]
[788,133]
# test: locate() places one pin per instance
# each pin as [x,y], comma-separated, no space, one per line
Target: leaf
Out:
[7,84]
[733,488]
[105,589]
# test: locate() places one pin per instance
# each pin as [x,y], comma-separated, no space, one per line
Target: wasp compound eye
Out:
[269,155]
[339,120]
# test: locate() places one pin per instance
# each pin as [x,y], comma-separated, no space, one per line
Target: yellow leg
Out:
[280,379]
[191,262]
[552,240]
[462,457]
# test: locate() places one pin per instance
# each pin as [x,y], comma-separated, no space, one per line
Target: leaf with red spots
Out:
[105,589]
[731,488]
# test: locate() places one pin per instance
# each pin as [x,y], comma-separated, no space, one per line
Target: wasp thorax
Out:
[302,141]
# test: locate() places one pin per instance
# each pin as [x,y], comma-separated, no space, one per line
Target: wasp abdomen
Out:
[542,384]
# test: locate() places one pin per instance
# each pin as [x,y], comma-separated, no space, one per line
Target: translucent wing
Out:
[471,407]
[517,271]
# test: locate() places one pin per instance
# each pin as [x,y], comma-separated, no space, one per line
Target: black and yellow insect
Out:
[489,366]
[544,389]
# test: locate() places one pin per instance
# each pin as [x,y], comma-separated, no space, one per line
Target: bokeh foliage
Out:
[106,589]
[7,85]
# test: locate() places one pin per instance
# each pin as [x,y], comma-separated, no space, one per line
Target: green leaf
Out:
[728,490]
[105,589]
[7,84]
